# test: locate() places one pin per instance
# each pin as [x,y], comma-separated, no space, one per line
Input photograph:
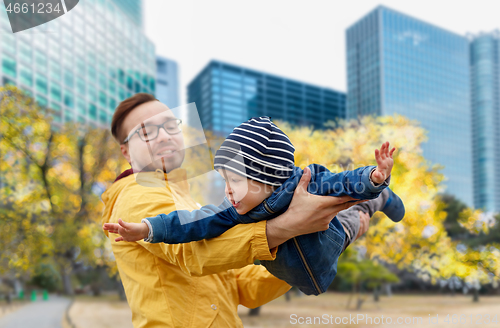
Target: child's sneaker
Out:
[394,207]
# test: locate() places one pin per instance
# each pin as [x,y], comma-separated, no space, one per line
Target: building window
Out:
[68,116]
[26,76]
[68,99]
[92,94]
[102,81]
[103,116]
[80,86]
[102,99]
[68,79]
[41,84]
[92,112]
[80,107]
[55,92]
[9,66]
[42,101]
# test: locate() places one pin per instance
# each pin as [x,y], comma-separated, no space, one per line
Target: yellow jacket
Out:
[198,284]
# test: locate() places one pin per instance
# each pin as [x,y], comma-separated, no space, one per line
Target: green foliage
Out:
[363,272]
[46,277]
[475,235]
[453,208]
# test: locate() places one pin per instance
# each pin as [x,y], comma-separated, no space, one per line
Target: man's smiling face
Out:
[165,152]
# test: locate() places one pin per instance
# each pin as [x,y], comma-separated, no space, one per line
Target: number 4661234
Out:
[39,8]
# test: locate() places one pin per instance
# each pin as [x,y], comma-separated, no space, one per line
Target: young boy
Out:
[257,163]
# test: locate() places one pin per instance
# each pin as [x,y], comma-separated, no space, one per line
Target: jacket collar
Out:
[175,175]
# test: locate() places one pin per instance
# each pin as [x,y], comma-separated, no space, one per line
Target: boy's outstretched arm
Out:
[362,183]
[179,226]
[128,231]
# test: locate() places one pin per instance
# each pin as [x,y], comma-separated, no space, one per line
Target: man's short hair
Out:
[123,109]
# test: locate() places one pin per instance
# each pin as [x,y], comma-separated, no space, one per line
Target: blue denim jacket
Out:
[308,262]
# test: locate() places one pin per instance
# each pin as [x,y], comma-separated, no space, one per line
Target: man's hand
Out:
[384,163]
[127,231]
[306,214]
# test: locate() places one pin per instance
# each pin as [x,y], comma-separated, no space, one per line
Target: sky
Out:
[300,40]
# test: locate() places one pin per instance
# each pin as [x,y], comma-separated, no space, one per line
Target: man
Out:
[199,284]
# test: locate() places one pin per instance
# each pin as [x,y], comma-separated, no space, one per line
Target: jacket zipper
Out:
[300,253]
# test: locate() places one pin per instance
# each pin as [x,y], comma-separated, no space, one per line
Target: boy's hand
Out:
[384,163]
[127,231]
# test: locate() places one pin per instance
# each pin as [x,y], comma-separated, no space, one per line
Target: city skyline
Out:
[279,38]
[80,93]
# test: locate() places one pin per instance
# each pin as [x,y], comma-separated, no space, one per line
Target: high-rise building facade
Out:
[485,85]
[227,95]
[131,8]
[81,64]
[399,64]
[167,82]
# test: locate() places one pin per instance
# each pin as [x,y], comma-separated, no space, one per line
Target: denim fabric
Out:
[309,261]
[355,183]
[185,226]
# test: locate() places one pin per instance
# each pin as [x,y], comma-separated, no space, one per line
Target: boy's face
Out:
[244,193]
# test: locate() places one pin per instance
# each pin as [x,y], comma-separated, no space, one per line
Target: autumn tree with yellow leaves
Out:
[50,184]
[420,242]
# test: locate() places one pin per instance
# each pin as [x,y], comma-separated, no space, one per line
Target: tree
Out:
[420,243]
[453,207]
[50,189]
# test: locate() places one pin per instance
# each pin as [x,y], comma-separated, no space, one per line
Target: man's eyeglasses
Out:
[150,132]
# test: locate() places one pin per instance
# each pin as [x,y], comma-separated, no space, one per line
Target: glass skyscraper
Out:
[399,64]
[485,83]
[83,63]
[167,82]
[132,8]
[227,95]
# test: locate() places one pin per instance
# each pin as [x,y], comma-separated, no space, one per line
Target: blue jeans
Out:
[308,262]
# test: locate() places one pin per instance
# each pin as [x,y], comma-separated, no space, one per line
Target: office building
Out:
[83,63]
[227,95]
[167,82]
[131,8]
[399,64]
[485,85]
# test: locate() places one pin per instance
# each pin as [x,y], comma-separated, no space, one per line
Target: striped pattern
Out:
[258,150]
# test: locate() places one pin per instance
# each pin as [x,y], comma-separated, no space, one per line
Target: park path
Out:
[39,314]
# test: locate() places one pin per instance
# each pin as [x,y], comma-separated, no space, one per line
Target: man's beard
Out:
[166,164]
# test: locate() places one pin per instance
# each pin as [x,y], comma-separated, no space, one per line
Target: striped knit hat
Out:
[258,150]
